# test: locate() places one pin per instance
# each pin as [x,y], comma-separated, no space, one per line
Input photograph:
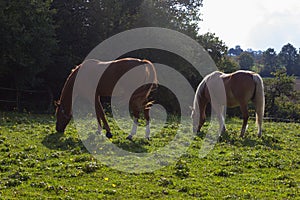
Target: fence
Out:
[25,100]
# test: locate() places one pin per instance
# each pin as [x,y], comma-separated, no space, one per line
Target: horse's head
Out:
[62,117]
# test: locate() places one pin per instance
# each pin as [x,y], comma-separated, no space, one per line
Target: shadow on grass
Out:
[252,141]
[134,146]
[60,141]
[201,134]
[229,137]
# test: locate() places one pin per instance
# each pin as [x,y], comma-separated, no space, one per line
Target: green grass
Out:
[36,162]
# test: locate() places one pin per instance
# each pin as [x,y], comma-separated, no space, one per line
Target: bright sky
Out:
[256,24]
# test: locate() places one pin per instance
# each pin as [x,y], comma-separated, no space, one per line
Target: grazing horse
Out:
[105,87]
[240,87]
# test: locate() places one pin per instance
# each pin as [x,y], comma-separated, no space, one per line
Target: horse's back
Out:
[125,74]
[104,75]
[240,87]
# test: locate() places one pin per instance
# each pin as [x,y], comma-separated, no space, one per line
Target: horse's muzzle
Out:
[60,130]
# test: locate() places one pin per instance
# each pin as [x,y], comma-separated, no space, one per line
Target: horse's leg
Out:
[221,119]
[135,123]
[244,110]
[147,118]
[101,116]
[202,108]
[98,110]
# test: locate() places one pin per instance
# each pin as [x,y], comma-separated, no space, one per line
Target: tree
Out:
[288,57]
[44,39]
[28,41]
[82,25]
[279,86]
[297,68]
[246,61]
[228,65]
[179,15]
[270,62]
[214,46]
[235,51]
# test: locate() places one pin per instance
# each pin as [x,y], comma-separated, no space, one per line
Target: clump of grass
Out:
[181,169]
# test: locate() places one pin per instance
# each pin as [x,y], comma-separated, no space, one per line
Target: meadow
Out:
[36,162]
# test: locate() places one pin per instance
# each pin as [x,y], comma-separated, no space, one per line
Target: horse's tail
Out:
[259,100]
[152,73]
[151,79]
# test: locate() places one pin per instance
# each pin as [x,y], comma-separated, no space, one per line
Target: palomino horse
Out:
[105,86]
[240,87]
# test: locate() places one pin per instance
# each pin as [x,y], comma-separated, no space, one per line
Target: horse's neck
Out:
[67,92]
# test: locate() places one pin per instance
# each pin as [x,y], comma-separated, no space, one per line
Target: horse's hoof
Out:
[129,137]
[109,135]
[242,135]
[147,138]
[223,130]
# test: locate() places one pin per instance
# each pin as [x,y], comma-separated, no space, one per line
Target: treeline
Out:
[42,40]
[268,61]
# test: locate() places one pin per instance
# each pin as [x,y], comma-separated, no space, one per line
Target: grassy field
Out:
[36,162]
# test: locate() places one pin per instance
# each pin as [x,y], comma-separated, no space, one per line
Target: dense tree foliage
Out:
[42,40]
[282,100]
[289,58]
[228,65]
[27,41]
[235,51]
[214,46]
[268,61]
[246,61]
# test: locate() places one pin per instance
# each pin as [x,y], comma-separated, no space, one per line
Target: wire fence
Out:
[25,100]
[41,101]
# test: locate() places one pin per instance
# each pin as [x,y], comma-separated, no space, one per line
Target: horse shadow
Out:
[61,141]
[247,141]
[201,134]
[251,141]
[137,145]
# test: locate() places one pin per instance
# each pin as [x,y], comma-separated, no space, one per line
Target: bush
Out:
[282,100]
[287,108]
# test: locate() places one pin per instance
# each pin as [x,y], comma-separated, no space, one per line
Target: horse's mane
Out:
[68,84]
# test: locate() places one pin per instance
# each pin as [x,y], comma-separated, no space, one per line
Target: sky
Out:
[255,24]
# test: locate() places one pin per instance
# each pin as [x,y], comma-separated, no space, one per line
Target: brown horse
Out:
[111,75]
[232,90]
